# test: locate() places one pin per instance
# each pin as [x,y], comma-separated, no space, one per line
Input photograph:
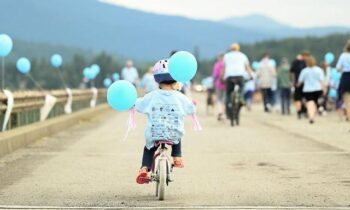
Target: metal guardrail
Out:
[27,105]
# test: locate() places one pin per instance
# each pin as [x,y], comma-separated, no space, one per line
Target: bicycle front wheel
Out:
[162,171]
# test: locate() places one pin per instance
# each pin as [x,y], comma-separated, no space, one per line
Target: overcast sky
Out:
[300,13]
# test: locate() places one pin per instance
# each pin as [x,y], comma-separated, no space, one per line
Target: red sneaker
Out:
[143,178]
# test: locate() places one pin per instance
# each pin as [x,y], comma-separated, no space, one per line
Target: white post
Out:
[68,106]
[93,101]
[10,103]
[46,109]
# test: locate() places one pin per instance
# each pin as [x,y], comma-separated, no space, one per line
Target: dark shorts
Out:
[344,86]
[298,94]
[313,96]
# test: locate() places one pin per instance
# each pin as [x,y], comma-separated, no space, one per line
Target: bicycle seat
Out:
[157,143]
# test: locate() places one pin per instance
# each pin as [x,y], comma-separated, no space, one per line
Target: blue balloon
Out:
[329,57]
[121,95]
[116,76]
[273,62]
[89,73]
[255,65]
[107,82]
[182,66]
[23,65]
[6,45]
[56,60]
[95,68]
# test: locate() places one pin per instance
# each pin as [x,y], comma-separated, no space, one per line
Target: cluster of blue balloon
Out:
[91,72]
[122,95]
[107,81]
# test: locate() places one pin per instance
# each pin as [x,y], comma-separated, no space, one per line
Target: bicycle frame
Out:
[159,155]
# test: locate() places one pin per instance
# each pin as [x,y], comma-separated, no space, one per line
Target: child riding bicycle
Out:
[165,109]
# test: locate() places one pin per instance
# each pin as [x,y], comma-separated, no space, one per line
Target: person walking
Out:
[219,86]
[312,79]
[265,75]
[284,85]
[343,65]
[130,73]
[297,66]
[148,83]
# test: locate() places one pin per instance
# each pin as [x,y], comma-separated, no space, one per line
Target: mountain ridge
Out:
[97,26]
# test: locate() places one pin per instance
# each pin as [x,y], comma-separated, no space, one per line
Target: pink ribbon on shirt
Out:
[196,125]
[131,123]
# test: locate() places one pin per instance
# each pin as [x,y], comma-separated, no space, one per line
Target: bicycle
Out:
[161,168]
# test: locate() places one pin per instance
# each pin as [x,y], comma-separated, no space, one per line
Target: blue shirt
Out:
[165,110]
[312,78]
[148,82]
[344,62]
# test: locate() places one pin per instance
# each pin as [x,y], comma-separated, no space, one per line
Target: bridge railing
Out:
[27,105]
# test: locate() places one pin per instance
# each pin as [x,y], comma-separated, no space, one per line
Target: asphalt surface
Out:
[269,161]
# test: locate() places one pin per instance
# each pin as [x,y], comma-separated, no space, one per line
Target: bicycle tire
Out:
[233,107]
[157,183]
[162,179]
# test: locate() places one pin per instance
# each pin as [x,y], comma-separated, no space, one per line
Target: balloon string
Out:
[35,82]
[3,73]
[62,78]
[196,125]
[92,84]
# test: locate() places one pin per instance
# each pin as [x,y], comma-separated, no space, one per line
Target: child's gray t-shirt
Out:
[166,111]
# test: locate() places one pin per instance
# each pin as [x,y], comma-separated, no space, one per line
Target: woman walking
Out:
[284,85]
[266,74]
[219,86]
[343,66]
[312,77]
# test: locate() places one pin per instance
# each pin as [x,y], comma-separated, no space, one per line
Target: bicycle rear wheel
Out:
[162,171]
[233,108]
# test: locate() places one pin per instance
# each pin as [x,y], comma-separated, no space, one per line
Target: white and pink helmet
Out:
[161,72]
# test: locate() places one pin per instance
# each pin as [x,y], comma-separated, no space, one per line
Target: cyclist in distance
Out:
[236,65]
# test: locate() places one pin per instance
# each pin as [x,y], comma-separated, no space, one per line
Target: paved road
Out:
[268,161]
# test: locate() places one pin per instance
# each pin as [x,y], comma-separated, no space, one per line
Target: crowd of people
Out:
[315,89]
